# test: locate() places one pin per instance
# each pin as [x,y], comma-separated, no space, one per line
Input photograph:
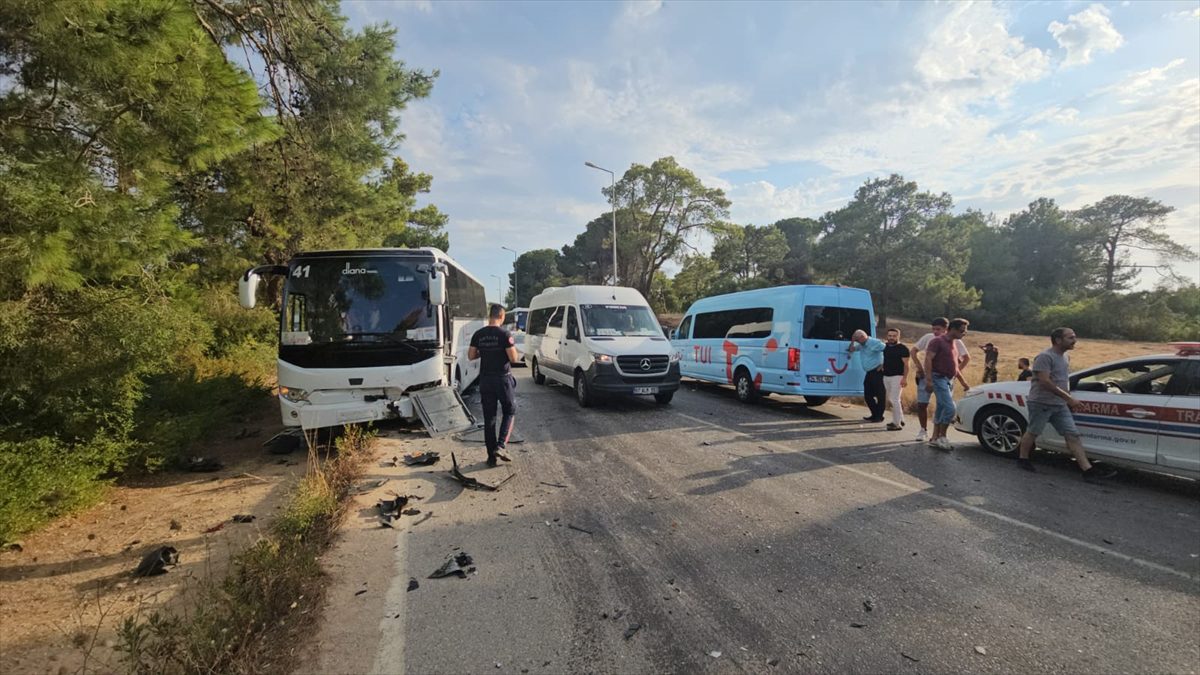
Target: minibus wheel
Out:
[814,401]
[744,386]
[664,398]
[583,393]
[538,377]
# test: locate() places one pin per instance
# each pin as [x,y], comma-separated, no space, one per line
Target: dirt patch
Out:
[64,594]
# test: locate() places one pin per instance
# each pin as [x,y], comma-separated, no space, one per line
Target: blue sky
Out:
[789,107]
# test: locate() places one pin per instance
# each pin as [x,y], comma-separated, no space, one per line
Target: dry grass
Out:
[1012,347]
[251,620]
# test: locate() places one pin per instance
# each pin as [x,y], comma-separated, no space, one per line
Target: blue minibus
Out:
[786,340]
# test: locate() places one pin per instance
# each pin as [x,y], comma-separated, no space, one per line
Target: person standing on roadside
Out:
[1026,371]
[991,358]
[941,368]
[1050,402]
[895,376]
[496,350]
[936,330]
[870,357]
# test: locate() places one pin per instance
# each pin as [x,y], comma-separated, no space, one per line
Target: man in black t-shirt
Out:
[496,350]
[895,375]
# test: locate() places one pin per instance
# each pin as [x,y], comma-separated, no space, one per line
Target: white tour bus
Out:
[361,331]
[599,340]
[787,340]
[515,321]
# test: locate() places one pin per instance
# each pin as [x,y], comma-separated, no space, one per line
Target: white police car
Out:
[1142,412]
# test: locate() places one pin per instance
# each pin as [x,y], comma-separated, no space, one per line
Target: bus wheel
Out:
[814,401]
[744,386]
[538,377]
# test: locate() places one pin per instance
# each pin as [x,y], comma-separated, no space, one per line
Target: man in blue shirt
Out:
[869,352]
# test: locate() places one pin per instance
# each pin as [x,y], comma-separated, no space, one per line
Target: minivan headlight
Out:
[293,394]
[602,358]
[676,356]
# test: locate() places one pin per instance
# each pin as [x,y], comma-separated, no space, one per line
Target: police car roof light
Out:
[1186,348]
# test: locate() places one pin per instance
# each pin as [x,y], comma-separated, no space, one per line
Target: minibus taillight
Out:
[793,358]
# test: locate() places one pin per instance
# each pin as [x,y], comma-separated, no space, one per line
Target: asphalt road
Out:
[712,536]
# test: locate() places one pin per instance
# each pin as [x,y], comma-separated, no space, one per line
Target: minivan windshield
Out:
[359,299]
[618,320]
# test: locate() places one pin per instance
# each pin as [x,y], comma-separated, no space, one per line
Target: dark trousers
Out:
[875,393]
[989,373]
[497,389]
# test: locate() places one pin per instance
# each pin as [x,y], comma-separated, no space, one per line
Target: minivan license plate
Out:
[823,379]
[645,390]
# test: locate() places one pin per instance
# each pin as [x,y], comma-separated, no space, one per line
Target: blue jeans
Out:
[945,399]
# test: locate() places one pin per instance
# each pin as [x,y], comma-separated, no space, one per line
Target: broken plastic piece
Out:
[242,518]
[456,565]
[155,562]
[422,459]
[412,512]
[471,482]
[412,584]
[392,507]
[367,485]
[632,630]
[203,465]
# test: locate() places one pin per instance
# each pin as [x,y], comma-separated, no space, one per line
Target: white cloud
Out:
[1085,32]
[1185,15]
[1055,114]
[1139,84]
[639,10]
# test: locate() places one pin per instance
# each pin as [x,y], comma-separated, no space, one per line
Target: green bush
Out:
[41,478]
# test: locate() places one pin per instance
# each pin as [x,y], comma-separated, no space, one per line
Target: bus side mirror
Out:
[247,289]
[437,285]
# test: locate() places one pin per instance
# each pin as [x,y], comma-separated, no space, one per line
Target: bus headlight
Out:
[602,358]
[293,394]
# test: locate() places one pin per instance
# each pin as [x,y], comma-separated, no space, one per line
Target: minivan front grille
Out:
[643,365]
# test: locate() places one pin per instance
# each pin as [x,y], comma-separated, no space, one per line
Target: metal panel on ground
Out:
[442,411]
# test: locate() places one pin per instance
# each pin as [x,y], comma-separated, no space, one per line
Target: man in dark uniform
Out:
[991,359]
[496,349]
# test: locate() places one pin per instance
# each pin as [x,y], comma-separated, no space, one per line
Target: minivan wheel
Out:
[814,401]
[583,393]
[744,386]
[536,372]
[999,430]
[665,398]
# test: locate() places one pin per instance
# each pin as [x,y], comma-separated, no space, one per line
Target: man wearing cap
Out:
[991,357]
[496,350]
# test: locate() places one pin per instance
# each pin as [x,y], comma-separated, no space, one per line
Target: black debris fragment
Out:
[175,525]
[578,529]
[422,459]
[242,518]
[413,584]
[868,605]
[910,658]
[632,630]
[456,565]
[156,561]
[411,512]
[360,592]
[551,484]
[391,507]
[855,624]
[203,465]
[471,482]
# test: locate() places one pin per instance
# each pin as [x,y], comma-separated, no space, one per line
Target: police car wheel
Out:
[744,386]
[999,430]
[538,377]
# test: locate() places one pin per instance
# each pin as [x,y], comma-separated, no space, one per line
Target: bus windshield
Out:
[618,320]
[364,299]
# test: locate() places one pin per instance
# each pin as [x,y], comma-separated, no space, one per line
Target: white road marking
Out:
[960,504]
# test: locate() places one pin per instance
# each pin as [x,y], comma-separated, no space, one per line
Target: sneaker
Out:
[503,457]
[1026,465]
[1098,473]
[945,444]
[892,426]
[491,461]
[920,435]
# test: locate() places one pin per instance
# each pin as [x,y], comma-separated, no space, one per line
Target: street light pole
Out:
[499,289]
[613,198]
[516,281]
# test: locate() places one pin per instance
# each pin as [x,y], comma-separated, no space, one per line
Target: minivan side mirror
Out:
[247,289]
[674,334]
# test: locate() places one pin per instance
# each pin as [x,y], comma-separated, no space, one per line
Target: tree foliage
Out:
[149,151]
[1121,223]
[752,255]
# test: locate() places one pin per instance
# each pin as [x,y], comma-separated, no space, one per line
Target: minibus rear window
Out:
[834,323]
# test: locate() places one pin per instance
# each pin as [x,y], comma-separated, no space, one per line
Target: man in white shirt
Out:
[937,329]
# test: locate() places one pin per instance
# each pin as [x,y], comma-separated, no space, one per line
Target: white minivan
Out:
[599,340]
[786,340]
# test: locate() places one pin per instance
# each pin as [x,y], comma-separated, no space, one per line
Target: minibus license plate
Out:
[823,379]
[645,390]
